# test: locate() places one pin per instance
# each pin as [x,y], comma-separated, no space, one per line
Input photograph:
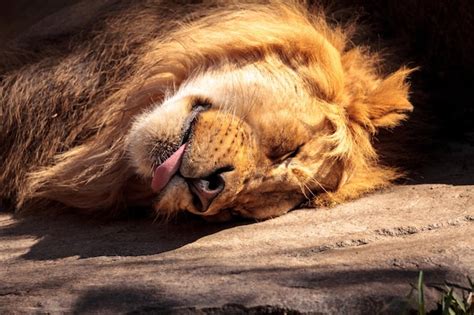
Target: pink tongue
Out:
[163,173]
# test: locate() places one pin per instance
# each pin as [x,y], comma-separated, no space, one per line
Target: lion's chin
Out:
[176,197]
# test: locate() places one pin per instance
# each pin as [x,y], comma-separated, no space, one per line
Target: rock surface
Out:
[359,257]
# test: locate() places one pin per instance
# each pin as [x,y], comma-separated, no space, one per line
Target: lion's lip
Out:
[165,171]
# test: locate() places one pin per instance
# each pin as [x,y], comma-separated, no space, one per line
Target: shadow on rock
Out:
[388,298]
[121,300]
[67,235]
[139,301]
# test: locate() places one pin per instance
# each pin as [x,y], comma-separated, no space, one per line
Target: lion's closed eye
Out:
[280,155]
[201,101]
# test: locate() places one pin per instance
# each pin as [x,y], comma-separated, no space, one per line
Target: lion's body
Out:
[81,118]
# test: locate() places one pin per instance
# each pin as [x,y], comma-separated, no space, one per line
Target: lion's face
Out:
[247,141]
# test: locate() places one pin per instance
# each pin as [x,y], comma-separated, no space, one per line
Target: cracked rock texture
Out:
[359,257]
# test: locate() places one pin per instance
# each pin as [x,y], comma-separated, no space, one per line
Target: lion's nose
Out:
[205,190]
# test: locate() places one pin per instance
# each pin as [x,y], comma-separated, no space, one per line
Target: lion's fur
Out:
[65,117]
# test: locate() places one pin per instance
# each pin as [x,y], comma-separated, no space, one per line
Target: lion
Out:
[246,109]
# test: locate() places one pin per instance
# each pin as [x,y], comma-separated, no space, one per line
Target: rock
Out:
[357,258]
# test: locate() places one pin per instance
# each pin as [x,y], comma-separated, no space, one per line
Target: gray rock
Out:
[359,257]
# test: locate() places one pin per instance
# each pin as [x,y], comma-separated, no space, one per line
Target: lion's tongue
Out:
[163,173]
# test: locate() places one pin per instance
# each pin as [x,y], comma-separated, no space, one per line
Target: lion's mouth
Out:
[163,173]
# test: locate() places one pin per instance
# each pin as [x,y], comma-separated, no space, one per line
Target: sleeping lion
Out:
[248,109]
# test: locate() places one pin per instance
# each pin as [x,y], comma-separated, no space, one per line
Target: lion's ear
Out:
[388,103]
[379,103]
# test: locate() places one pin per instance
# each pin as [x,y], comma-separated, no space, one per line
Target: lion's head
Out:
[248,109]
[275,112]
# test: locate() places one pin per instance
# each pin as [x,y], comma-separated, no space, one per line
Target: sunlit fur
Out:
[81,126]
